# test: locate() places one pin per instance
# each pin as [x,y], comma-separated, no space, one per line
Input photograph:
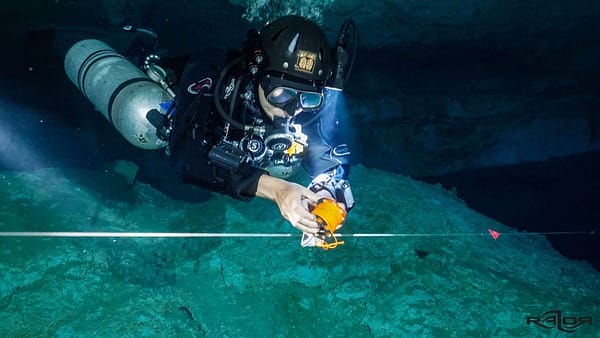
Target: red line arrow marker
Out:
[495,234]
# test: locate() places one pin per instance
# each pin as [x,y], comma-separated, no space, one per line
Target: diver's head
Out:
[298,63]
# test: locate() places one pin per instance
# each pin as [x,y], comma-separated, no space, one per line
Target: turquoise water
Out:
[431,286]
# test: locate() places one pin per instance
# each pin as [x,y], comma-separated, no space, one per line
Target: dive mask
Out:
[284,96]
[290,95]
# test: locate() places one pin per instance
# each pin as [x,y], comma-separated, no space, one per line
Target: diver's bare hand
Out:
[292,200]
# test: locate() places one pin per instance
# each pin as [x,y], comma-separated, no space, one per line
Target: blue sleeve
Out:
[327,149]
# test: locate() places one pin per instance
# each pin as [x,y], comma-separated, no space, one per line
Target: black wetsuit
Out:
[197,127]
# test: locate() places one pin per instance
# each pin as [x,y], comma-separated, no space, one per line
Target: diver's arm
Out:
[329,168]
[291,199]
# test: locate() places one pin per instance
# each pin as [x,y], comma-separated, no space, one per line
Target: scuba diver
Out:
[246,130]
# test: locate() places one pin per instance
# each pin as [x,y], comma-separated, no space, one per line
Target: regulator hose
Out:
[227,116]
[342,42]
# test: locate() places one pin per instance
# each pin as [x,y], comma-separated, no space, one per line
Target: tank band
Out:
[89,62]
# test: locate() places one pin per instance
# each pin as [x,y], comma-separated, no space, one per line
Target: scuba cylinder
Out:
[119,90]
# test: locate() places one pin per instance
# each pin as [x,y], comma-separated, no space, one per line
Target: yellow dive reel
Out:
[330,217]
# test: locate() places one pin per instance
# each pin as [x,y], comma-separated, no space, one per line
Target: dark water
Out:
[559,195]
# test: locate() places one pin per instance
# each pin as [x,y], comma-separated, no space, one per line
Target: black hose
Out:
[146,31]
[234,96]
[343,31]
[217,98]
[342,34]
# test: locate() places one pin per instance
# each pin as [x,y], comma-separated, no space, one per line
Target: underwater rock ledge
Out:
[426,285]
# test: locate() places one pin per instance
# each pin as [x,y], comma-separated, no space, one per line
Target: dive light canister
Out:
[123,93]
